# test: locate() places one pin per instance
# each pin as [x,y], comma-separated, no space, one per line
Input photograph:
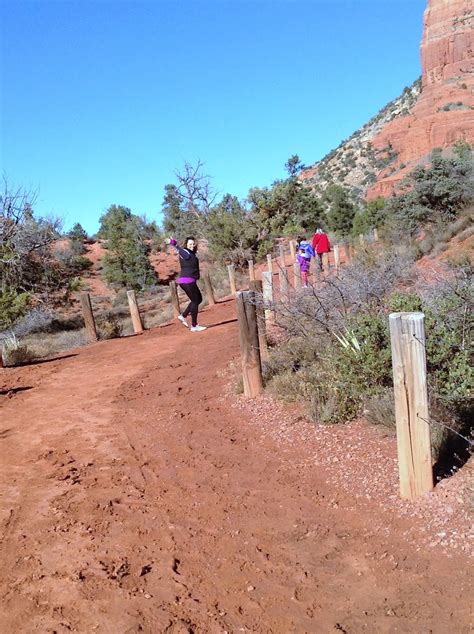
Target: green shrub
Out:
[75,284]
[404,303]
[13,305]
[81,263]
[337,354]
[435,194]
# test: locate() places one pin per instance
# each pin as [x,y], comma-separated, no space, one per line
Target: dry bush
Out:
[157,317]
[334,354]
[361,287]
[220,280]
[335,350]
[438,236]
[109,326]
[16,352]
[120,298]
[380,408]
[47,345]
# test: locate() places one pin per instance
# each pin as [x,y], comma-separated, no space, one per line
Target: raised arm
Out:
[182,252]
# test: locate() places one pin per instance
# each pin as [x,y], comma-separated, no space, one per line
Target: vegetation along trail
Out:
[137,498]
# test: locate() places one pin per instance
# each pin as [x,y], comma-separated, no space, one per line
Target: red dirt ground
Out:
[140,495]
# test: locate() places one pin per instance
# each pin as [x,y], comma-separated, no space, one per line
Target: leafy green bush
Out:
[13,305]
[435,194]
[75,284]
[231,236]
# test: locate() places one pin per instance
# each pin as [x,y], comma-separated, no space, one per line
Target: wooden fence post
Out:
[347,250]
[269,262]
[248,333]
[407,334]
[175,298]
[134,312]
[292,250]
[315,268]
[296,276]
[376,235]
[337,258]
[231,271]
[326,265]
[284,290]
[251,271]
[361,239]
[267,291]
[282,256]
[89,321]
[256,287]
[209,291]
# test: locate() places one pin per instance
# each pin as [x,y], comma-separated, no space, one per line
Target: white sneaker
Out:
[183,321]
[198,328]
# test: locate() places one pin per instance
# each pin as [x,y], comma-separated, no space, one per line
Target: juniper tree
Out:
[126,264]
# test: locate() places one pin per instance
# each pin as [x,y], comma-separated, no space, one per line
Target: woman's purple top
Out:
[186,280]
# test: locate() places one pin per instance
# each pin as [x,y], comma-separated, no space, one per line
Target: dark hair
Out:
[195,243]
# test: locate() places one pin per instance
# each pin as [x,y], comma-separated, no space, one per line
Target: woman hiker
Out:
[321,245]
[187,279]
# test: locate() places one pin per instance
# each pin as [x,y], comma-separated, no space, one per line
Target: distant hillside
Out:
[355,163]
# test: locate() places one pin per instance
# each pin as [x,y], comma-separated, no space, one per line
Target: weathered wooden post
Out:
[231,271]
[267,291]
[407,334]
[292,250]
[326,265]
[337,257]
[134,312]
[284,290]
[347,250]
[251,271]
[361,239]
[256,287]
[209,290]
[269,262]
[89,321]
[296,276]
[315,267]
[175,299]
[376,235]
[282,255]
[248,334]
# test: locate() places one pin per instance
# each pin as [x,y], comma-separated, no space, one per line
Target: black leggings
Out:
[194,294]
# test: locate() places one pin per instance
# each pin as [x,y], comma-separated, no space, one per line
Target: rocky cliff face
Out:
[436,112]
[444,112]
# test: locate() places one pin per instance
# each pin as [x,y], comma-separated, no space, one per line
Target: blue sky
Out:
[101,102]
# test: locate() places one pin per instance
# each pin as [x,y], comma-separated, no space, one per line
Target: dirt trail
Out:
[136,498]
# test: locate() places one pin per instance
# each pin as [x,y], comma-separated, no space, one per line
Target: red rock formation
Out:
[444,113]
